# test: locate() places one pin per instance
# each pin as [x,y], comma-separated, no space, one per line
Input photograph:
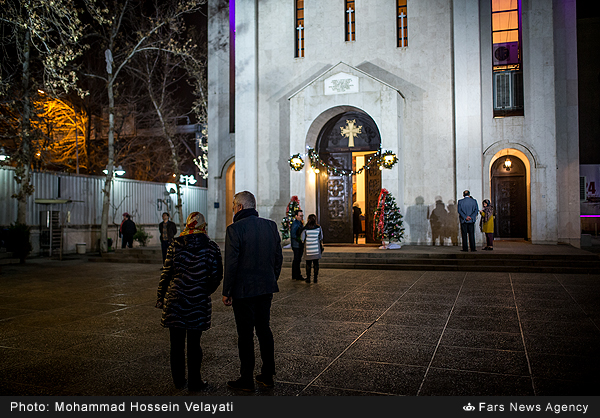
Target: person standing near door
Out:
[297,245]
[168,230]
[486,224]
[467,213]
[356,221]
[312,237]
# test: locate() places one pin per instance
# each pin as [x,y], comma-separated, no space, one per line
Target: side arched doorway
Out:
[229,193]
[509,197]
[346,142]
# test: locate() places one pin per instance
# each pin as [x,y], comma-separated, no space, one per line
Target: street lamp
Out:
[188,179]
[117,171]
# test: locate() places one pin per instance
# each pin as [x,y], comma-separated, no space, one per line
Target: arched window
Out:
[402,26]
[350,29]
[299,28]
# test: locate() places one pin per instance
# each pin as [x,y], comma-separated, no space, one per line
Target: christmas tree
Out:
[387,222]
[286,224]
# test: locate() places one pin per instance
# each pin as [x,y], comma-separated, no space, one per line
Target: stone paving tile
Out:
[559,345]
[403,334]
[393,352]
[482,360]
[373,377]
[576,368]
[480,323]
[553,387]
[559,328]
[482,339]
[440,382]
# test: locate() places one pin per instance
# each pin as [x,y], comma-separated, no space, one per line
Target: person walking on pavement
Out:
[297,245]
[168,230]
[312,237]
[127,231]
[467,213]
[253,260]
[486,224]
[192,271]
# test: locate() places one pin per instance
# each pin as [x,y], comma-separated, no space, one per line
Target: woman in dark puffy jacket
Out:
[192,271]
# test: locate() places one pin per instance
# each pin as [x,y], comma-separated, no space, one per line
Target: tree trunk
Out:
[24,162]
[109,168]
[174,158]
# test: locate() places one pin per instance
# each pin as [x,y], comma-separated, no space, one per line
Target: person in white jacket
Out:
[312,237]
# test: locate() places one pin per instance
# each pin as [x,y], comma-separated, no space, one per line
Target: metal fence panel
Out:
[145,201]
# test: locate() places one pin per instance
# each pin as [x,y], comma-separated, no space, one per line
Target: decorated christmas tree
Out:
[387,222]
[290,214]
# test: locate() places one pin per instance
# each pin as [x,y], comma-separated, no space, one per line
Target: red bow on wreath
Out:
[381,206]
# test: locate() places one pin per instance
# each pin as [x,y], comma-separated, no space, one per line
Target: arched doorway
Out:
[509,197]
[229,193]
[346,142]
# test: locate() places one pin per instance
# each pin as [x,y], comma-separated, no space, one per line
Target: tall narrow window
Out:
[299,28]
[507,58]
[350,21]
[402,26]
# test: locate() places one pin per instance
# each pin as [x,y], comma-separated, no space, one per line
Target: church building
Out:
[476,95]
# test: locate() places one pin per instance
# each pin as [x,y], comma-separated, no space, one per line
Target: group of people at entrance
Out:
[467,212]
[193,269]
[306,240]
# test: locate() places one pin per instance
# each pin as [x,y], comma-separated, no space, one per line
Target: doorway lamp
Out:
[507,164]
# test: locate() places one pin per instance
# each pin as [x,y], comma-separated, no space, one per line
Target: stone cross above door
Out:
[351,131]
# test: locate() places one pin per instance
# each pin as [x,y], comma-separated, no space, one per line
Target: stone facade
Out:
[432,102]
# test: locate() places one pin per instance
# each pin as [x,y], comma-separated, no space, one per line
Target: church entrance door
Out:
[509,198]
[345,144]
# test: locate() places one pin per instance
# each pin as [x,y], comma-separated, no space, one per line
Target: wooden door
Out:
[373,186]
[509,198]
[335,201]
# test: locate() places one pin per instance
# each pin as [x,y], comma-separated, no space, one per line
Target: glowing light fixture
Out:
[296,162]
[117,171]
[507,164]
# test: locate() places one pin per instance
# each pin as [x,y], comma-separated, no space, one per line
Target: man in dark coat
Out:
[128,230]
[253,260]
[168,230]
[297,244]
[467,213]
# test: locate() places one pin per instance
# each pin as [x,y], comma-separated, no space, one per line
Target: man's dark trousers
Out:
[250,314]
[468,228]
[296,272]
[164,246]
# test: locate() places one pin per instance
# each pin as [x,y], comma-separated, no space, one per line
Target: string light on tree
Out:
[286,223]
[387,222]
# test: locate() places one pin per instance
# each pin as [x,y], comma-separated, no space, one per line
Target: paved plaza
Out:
[75,327]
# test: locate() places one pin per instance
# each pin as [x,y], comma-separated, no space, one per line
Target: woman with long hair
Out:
[312,236]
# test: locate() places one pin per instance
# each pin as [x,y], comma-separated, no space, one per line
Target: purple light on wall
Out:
[589,216]
[232,16]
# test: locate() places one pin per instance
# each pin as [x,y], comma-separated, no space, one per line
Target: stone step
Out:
[482,261]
